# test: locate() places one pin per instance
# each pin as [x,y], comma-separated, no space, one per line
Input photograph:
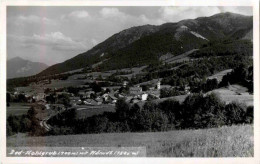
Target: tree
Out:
[249,115]
[95,87]
[50,99]
[64,99]
[173,110]
[8,99]
[14,123]
[122,109]
[235,113]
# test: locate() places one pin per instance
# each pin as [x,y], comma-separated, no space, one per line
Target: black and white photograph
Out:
[130,81]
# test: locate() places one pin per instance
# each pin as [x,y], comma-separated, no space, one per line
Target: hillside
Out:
[233,141]
[18,67]
[145,44]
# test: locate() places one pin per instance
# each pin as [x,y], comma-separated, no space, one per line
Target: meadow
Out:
[232,141]
[17,109]
[235,93]
[85,111]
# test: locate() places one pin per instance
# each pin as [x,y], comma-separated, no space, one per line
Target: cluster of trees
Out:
[195,72]
[25,81]
[168,92]
[24,123]
[197,111]
[242,74]
[17,98]
[206,86]
[224,48]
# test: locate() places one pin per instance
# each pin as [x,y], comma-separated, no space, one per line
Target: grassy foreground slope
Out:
[234,141]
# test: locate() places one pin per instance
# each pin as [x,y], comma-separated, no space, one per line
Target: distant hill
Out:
[18,67]
[146,44]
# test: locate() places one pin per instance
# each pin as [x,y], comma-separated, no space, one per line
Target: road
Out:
[44,124]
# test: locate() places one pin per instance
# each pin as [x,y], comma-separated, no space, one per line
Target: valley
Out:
[179,89]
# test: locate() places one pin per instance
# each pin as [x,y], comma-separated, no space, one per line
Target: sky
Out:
[54,34]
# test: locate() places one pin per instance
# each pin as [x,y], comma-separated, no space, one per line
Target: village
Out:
[84,95]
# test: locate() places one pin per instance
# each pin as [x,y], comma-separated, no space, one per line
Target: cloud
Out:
[33,19]
[174,14]
[55,40]
[111,12]
[94,42]
[79,14]
[65,32]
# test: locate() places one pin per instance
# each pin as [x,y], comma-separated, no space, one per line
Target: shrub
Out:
[122,109]
[249,114]
[235,113]
[173,110]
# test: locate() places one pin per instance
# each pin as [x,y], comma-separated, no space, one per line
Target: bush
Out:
[235,113]
[168,92]
[122,109]
[203,112]
[9,130]
[173,110]
[249,114]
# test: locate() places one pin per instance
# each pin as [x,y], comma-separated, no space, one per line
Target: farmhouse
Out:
[75,100]
[41,101]
[135,90]
[39,96]
[109,98]
[58,107]
[90,102]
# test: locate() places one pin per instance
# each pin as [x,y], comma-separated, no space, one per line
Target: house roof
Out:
[135,88]
[112,96]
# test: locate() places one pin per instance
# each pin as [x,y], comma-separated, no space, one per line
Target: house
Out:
[86,94]
[112,98]
[90,102]
[58,107]
[144,96]
[39,96]
[99,100]
[125,83]
[63,93]
[41,101]
[155,93]
[135,90]
[134,100]
[75,101]
[129,98]
[158,85]
[165,86]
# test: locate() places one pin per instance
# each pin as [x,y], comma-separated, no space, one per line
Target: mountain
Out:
[18,67]
[145,44]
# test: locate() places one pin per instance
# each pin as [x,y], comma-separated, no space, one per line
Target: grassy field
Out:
[219,75]
[17,109]
[235,93]
[88,111]
[234,141]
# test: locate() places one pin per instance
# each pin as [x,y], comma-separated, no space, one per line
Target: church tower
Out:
[158,85]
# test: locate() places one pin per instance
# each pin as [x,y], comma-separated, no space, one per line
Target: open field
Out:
[179,58]
[135,71]
[85,111]
[17,109]
[235,93]
[54,84]
[234,141]
[219,75]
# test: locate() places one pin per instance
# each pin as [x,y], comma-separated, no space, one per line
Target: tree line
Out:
[196,112]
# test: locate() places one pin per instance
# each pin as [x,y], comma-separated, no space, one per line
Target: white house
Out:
[144,96]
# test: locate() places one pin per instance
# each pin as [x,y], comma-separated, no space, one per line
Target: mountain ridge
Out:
[19,67]
[145,44]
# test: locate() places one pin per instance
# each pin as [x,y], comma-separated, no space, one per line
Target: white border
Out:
[26,160]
